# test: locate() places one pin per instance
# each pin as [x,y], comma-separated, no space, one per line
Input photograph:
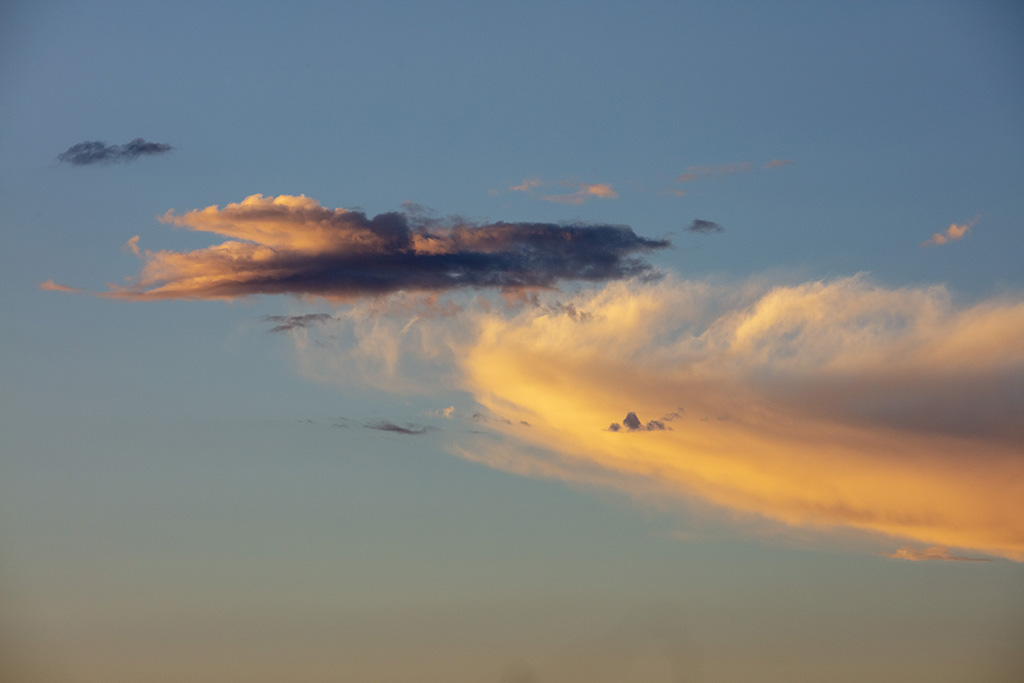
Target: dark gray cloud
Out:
[292,322]
[632,423]
[94,152]
[409,427]
[704,227]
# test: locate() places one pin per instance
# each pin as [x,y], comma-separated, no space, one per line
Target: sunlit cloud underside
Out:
[824,405]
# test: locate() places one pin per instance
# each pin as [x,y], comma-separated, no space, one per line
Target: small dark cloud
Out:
[95,152]
[482,419]
[292,322]
[409,427]
[704,227]
[632,423]
[570,311]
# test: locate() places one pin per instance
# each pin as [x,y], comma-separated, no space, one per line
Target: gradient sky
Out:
[520,343]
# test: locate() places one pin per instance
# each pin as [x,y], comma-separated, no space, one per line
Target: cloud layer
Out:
[293,245]
[94,152]
[838,404]
[822,406]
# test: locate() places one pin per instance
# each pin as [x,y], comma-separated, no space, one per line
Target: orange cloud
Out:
[51,286]
[586,191]
[933,553]
[953,233]
[778,163]
[823,405]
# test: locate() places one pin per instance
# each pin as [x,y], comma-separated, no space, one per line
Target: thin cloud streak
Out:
[584,191]
[409,429]
[704,227]
[293,245]
[51,286]
[95,152]
[934,553]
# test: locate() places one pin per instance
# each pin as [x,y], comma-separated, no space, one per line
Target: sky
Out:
[512,343]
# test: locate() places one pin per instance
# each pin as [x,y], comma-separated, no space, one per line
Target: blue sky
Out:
[184,494]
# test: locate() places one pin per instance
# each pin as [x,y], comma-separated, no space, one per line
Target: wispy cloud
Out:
[446,413]
[409,428]
[778,163]
[51,286]
[933,553]
[953,233]
[527,185]
[94,152]
[583,192]
[293,245]
[286,323]
[704,227]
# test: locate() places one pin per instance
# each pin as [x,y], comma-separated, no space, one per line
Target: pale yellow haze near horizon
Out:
[822,405]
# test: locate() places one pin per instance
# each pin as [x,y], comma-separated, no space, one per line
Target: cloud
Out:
[778,163]
[953,233]
[286,323]
[826,406]
[527,185]
[583,193]
[409,428]
[694,173]
[632,423]
[132,245]
[94,152]
[704,227]
[848,405]
[51,286]
[933,553]
[293,245]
